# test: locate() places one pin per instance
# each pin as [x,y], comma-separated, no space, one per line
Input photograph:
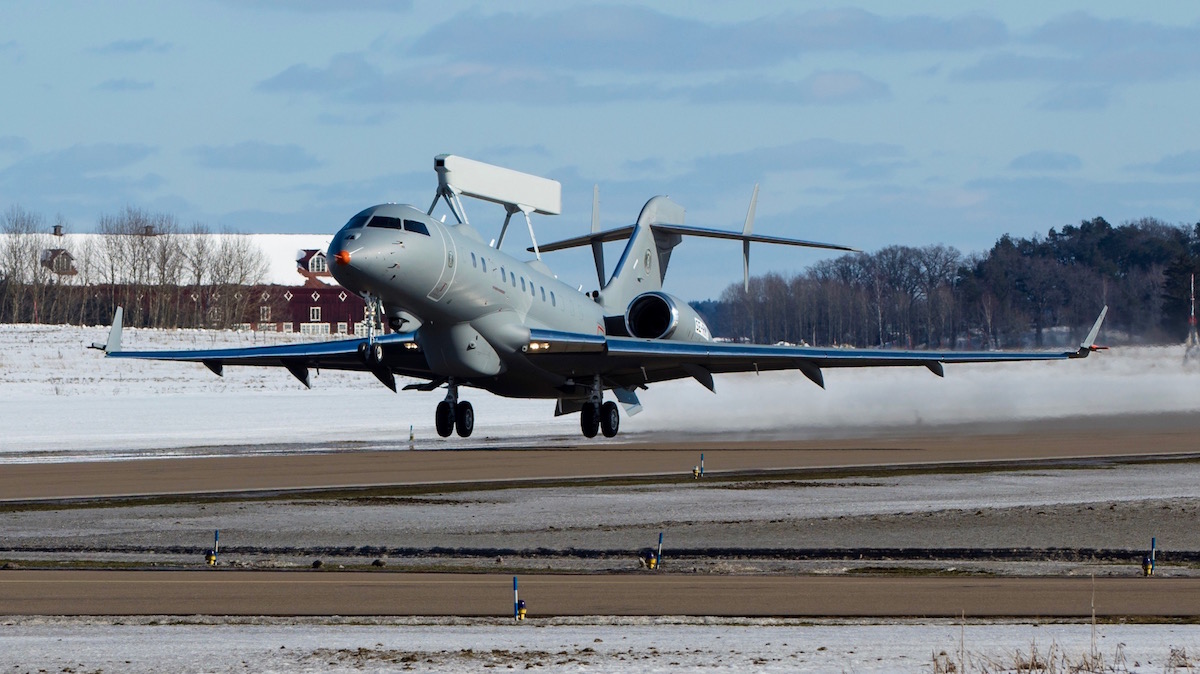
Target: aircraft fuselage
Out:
[475,304]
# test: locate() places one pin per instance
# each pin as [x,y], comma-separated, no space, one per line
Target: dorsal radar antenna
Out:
[517,192]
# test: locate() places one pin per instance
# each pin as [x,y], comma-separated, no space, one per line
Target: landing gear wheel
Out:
[444,419]
[464,416]
[610,419]
[370,354]
[589,419]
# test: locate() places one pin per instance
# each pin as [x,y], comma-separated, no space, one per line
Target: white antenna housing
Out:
[514,190]
[517,192]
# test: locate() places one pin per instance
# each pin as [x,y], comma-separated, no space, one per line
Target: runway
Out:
[554,517]
[1077,440]
[301,593]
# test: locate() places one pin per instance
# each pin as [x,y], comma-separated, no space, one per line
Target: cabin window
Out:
[416,227]
[473,263]
[543,288]
[522,284]
[314,314]
[483,260]
[512,275]
[503,275]
[553,302]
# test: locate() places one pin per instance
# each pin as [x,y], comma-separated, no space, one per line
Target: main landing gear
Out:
[599,416]
[453,415]
[602,417]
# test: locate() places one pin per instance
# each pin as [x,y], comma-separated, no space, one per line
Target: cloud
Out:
[124,84]
[638,39]
[849,160]
[1082,32]
[13,144]
[352,78]
[1119,66]
[1076,98]
[1177,164]
[142,46]
[1045,160]
[326,6]
[91,173]
[840,87]
[1095,51]
[256,156]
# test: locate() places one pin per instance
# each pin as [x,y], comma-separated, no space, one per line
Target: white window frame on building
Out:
[264,313]
[317,264]
[342,327]
[314,314]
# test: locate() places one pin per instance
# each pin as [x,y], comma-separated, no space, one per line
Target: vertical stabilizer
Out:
[643,264]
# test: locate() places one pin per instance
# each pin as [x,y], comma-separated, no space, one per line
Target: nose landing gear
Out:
[453,415]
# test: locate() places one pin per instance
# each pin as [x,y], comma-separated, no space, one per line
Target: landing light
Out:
[539,346]
[411,345]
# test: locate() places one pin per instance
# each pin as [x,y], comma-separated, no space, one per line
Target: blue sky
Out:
[869,124]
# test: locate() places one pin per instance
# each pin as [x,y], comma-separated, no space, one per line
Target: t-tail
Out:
[642,267]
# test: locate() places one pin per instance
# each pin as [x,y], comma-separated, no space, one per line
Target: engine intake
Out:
[657,315]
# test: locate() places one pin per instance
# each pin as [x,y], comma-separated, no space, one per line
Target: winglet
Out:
[1089,344]
[113,344]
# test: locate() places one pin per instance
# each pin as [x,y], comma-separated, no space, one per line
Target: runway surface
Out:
[1141,436]
[215,592]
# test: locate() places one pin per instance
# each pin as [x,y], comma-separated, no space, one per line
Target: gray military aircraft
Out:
[464,313]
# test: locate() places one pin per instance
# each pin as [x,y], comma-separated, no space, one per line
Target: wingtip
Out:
[1088,345]
[113,344]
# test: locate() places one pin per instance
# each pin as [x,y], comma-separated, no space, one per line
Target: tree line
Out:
[165,275]
[1034,291]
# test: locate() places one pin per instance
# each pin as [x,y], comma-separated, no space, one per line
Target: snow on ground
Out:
[605,645]
[61,399]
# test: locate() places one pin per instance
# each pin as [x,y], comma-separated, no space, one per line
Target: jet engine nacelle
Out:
[657,315]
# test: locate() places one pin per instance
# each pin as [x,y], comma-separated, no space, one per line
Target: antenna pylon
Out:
[1193,340]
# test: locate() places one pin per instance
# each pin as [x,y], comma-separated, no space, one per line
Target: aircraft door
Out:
[449,266]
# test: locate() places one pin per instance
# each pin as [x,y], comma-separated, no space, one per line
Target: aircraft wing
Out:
[399,356]
[629,363]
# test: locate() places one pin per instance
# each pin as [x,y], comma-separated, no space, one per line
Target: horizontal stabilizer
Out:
[749,238]
[622,233]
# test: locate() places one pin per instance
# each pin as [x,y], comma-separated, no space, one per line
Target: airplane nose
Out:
[342,257]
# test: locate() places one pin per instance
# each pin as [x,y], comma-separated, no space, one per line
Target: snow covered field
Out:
[593,645]
[61,400]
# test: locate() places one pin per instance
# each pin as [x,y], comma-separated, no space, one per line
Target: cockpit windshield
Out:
[358,220]
[387,222]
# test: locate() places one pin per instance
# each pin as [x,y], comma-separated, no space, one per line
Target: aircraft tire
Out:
[589,420]
[376,354]
[464,416]
[444,418]
[610,419]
